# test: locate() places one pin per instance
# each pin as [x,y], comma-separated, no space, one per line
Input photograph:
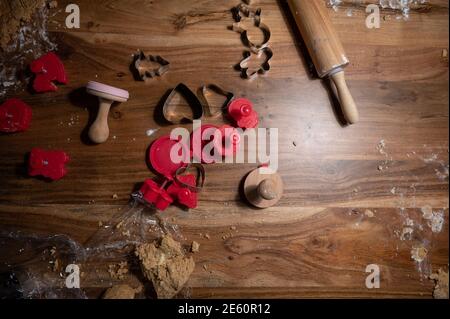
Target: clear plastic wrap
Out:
[33,266]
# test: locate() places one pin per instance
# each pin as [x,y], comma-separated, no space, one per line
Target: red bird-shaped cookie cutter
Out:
[48,69]
[50,164]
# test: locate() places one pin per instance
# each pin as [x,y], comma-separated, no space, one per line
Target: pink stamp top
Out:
[100,87]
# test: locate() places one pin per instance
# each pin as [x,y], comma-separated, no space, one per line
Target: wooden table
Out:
[319,239]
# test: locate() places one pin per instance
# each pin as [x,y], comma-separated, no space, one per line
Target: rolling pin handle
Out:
[348,105]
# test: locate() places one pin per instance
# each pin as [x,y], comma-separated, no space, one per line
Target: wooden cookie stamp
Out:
[263,190]
[99,130]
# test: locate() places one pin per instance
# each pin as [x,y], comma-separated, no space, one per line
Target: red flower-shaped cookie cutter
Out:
[50,164]
[15,116]
[48,69]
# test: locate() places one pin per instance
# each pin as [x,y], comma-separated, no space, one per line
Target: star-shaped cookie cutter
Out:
[144,73]
[264,68]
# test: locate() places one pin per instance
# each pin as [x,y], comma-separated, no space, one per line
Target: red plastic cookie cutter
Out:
[15,116]
[160,159]
[183,194]
[50,164]
[200,138]
[160,156]
[225,139]
[229,142]
[242,112]
[48,69]
[186,187]
[155,194]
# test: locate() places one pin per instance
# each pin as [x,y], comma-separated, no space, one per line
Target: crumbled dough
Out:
[118,271]
[12,13]
[165,265]
[195,247]
[119,292]
[441,284]
[369,213]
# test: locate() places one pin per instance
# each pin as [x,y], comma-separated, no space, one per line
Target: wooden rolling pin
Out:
[325,49]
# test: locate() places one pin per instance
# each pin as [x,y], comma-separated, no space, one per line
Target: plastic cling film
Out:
[33,266]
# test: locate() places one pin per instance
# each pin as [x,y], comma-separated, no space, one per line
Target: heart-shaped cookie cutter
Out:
[170,113]
[200,180]
[144,73]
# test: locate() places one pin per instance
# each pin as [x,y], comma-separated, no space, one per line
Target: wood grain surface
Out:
[319,238]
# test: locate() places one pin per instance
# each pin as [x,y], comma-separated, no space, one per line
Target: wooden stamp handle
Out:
[267,189]
[99,130]
[348,105]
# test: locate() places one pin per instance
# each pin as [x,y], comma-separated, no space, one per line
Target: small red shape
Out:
[160,156]
[200,138]
[154,194]
[229,144]
[50,164]
[15,116]
[48,69]
[182,193]
[241,110]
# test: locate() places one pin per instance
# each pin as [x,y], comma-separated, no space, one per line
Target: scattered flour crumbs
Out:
[402,6]
[420,224]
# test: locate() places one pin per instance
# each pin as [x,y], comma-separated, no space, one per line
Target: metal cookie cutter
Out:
[265,66]
[200,180]
[202,93]
[170,112]
[144,72]
[243,11]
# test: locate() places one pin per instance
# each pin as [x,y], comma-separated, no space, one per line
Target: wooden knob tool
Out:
[107,95]
[326,50]
[263,190]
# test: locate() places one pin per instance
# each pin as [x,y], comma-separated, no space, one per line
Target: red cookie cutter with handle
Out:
[152,193]
[48,69]
[224,145]
[242,112]
[50,164]
[229,142]
[15,116]
[183,194]
[186,187]
[160,156]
